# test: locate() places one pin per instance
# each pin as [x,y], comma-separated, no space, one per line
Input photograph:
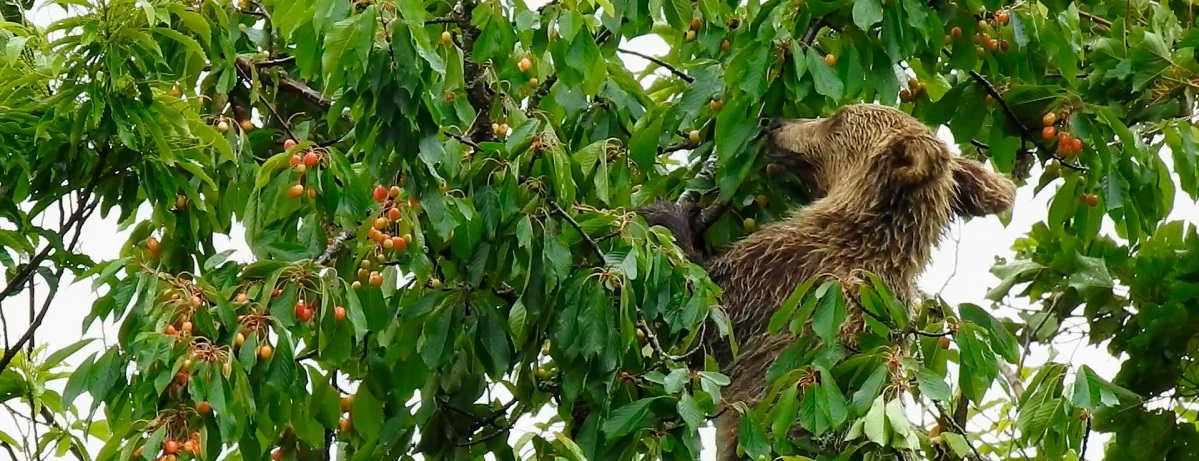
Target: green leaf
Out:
[783,315]
[1181,139]
[1009,275]
[366,416]
[1001,340]
[957,443]
[825,77]
[689,410]
[60,356]
[876,422]
[516,323]
[752,438]
[78,381]
[676,380]
[980,365]
[628,418]
[932,386]
[1090,274]
[896,419]
[436,337]
[678,13]
[867,13]
[830,312]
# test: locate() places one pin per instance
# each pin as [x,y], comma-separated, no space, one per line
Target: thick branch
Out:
[660,63]
[339,244]
[478,91]
[813,29]
[542,90]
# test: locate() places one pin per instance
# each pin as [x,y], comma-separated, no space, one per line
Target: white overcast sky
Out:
[963,263]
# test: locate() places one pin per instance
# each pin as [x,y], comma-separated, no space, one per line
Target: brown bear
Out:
[886,189]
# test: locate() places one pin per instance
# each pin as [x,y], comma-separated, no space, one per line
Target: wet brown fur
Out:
[887,189]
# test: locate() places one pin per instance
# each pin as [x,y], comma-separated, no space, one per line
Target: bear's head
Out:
[879,148]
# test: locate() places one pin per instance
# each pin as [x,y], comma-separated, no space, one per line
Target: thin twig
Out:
[443,20]
[587,238]
[677,147]
[660,63]
[960,430]
[653,342]
[264,64]
[82,212]
[919,332]
[1095,19]
[1025,132]
[464,140]
[1086,436]
[49,417]
[243,67]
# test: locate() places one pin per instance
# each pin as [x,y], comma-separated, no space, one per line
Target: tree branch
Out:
[652,338]
[542,90]
[243,68]
[49,417]
[1095,19]
[77,219]
[958,428]
[339,244]
[660,63]
[82,210]
[478,91]
[813,29]
[587,238]
[1025,132]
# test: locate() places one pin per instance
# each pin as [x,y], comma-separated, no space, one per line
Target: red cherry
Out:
[295,160]
[288,144]
[311,159]
[339,313]
[170,447]
[380,193]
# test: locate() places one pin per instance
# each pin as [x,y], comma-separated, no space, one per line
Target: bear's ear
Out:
[980,192]
[916,156]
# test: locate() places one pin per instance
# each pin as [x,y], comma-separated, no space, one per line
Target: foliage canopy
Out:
[506,258]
